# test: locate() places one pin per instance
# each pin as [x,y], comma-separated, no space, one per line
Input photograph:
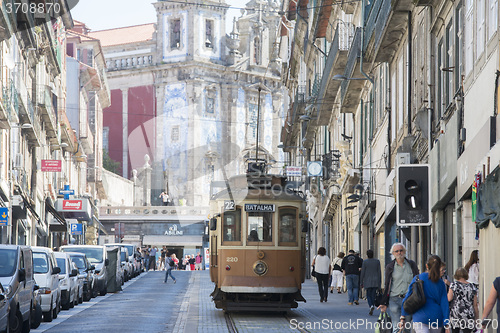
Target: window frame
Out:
[296,242]
[172,24]
[234,242]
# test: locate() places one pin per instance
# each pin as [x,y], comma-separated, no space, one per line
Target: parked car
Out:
[36,309]
[134,262]
[85,275]
[120,271]
[4,310]
[16,278]
[47,278]
[68,281]
[97,256]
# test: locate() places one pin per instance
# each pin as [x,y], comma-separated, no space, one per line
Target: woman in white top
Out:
[337,276]
[322,266]
[472,267]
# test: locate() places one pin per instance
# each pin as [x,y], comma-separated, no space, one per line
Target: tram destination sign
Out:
[259,208]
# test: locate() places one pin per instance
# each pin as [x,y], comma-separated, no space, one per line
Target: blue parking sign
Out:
[76,228]
[4,216]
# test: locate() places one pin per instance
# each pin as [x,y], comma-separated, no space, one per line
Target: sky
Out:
[108,14]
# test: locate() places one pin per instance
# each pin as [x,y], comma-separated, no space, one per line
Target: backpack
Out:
[171,263]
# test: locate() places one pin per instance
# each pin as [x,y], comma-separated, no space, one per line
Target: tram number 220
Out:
[231,259]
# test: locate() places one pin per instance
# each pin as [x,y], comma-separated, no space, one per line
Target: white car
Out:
[47,278]
[68,281]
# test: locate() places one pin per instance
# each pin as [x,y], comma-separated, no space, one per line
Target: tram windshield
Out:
[288,225]
[260,227]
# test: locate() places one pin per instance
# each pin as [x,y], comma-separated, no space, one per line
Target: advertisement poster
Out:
[207,258]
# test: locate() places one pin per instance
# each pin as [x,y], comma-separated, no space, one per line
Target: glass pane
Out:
[40,263]
[260,227]
[7,262]
[288,225]
[61,263]
[231,226]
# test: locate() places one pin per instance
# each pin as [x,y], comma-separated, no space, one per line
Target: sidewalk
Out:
[334,315]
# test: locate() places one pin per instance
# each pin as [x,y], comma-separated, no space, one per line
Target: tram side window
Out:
[260,227]
[288,225]
[231,227]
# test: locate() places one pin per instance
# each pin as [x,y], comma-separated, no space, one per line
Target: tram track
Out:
[235,320]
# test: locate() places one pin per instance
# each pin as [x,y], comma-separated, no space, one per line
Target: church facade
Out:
[196,95]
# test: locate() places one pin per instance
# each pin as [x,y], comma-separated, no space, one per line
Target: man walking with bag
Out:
[371,278]
[169,265]
[398,275]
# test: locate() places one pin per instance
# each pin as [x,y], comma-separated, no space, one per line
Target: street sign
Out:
[66,192]
[51,165]
[294,171]
[76,228]
[4,216]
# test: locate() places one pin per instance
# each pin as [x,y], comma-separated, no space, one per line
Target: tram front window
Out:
[231,227]
[288,225]
[260,227]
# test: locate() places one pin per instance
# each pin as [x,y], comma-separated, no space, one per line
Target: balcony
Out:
[44,101]
[350,90]
[7,109]
[130,62]
[291,129]
[335,63]
[385,26]
[67,134]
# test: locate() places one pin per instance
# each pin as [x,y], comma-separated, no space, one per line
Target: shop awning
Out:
[59,218]
[169,241]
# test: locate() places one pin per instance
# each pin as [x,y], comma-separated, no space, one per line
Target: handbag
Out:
[313,273]
[382,297]
[417,297]
[384,323]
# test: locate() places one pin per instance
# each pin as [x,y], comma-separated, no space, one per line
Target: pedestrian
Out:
[435,313]
[176,261]
[321,264]
[371,278]
[152,258]
[146,257]
[472,268]
[185,262]
[162,259]
[398,276]
[490,303]
[199,260]
[165,198]
[192,262]
[169,264]
[337,276]
[463,302]
[351,265]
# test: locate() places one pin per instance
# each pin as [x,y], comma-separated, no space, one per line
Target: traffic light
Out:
[413,195]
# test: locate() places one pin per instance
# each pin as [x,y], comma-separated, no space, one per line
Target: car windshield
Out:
[79,262]
[40,263]
[8,259]
[94,255]
[61,263]
[130,249]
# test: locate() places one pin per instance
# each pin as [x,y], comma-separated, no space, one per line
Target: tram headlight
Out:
[260,267]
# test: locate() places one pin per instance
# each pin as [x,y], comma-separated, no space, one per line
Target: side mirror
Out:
[22,275]
[213,223]
[74,272]
[305,226]
[36,287]
[56,270]
[106,262]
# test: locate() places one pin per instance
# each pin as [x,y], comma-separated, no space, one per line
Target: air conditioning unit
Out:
[18,161]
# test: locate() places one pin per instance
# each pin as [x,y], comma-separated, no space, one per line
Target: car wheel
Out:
[27,323]
[80,299]
[48,316]
[104,290]
[55,311]
[15,322]
[37,317]
[65,306]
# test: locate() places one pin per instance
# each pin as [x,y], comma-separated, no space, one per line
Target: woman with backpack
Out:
[169,265]
[337,276]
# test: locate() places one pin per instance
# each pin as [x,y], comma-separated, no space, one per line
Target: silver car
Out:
[71,286]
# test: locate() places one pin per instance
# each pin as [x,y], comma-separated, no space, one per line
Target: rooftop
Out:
[125,35]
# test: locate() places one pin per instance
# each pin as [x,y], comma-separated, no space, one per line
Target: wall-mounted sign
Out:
[207,258]
[229,206]
[67,192]
[51,165]
[173,231]
[76,228]
[259,208]
[294,171]
[4,216]
[72,205]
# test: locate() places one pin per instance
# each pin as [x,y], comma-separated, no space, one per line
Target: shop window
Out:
[231,226]
[260,227]
[288,226]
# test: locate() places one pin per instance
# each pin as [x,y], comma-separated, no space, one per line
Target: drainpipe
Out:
[410,68]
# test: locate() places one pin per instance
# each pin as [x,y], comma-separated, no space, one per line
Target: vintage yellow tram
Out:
[257,244]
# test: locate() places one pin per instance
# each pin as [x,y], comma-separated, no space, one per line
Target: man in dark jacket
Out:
[398,275]
[351,265]
[371,278]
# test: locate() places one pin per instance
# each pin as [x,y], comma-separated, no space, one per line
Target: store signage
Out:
[207,258]
[66,192]
[4,216]
[293,171]
[173,231]
[259,208]
[51,165]
[72,205]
